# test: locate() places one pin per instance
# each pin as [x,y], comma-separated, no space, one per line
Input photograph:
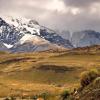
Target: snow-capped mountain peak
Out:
[27,34]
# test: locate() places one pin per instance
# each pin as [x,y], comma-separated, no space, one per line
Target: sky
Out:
[72,15]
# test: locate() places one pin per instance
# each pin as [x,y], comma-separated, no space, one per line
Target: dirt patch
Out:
[56,68]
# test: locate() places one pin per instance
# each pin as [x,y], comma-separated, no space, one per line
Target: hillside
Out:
[91,92]
[94,49]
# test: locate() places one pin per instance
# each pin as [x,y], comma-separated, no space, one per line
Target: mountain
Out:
[85,38]
[82,38]
[26,35]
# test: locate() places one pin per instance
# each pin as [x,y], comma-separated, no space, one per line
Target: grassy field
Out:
[36,73]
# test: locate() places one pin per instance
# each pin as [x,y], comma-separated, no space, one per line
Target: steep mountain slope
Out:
[8,33]
[56,39]
[18,32]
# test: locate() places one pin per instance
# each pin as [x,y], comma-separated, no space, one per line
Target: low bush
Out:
[44,95]
[88,76]
[97,82]
[65,94]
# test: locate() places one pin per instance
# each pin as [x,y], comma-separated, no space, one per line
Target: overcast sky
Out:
[56,14]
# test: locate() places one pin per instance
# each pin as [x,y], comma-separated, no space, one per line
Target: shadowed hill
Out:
[95,49]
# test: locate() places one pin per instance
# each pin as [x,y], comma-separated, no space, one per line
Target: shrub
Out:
[34,97]
[12,98]
[6,99]
[97,82]
[65,94]
[88,76]
[45,95]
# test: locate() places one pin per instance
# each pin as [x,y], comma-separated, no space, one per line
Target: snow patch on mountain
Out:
[33,38]
[8,45]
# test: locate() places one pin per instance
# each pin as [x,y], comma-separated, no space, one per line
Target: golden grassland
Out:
[36,73]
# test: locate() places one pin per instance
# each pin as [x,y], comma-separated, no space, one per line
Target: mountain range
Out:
[27,35]
[19,35]
[82,38]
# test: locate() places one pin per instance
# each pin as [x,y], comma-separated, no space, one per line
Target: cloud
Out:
[56,14]
[80,3]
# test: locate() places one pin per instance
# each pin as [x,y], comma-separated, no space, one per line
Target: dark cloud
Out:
[80,3]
